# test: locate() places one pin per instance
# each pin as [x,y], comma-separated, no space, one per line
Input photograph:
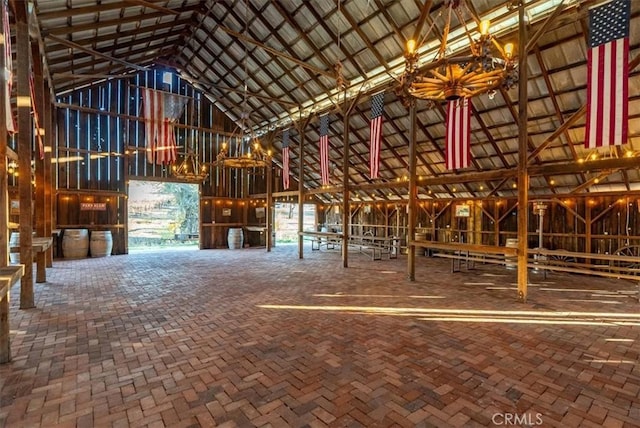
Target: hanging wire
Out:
[464,24]
[245,100]
[339,35]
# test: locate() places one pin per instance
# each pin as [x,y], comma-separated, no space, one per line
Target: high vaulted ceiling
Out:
[285,52]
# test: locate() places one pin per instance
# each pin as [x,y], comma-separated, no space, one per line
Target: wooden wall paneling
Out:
[507,221]
[490,233]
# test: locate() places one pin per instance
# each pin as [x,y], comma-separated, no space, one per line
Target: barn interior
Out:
[509,267]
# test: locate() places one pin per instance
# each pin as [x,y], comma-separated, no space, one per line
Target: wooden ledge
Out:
[321,234]
[12,273]
[472,248]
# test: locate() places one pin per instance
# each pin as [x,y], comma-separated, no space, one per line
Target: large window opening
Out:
[163,215]
[286,221]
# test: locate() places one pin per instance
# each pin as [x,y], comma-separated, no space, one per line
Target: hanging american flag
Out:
[8,68]
[160,111]
[608,75]
[458,133]
[285,159]
[324,149]
[377,110]
[36,117]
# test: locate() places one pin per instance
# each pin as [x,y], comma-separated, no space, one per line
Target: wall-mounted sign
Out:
[93,206]
[226,212]
[463,210]
[260,212]
[15,207]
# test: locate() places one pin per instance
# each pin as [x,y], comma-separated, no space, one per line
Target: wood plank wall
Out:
[600,224]
[101,146]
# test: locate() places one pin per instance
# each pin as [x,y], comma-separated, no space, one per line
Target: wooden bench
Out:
[469,254]
[39,245]
[9,275]
[614,266]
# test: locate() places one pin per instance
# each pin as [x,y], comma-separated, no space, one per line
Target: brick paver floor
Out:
[250,338]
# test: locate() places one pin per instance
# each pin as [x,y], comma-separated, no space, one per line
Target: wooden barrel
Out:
[75,243]
[235,238]
[101,243]
[14,241]
[511,261]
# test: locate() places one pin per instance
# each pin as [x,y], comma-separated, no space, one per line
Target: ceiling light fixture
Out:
[486,68]
[248,152]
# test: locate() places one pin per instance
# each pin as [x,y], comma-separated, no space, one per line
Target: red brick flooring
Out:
[249,338]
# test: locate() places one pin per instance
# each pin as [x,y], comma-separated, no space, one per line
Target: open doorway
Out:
[286,221]
[163,215]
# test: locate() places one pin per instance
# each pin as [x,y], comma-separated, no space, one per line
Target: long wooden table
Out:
[377,245]
[322,238]
[9,275]
[39,245]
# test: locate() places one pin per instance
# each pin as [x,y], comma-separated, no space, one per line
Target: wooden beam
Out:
[55,47]
[95,53]
[24,154]
[424,13]
[4,199]
[78,11]
[413,193]
[275,52]
[150,5]
[523,173]
[534,39]
[95,26]
[573,119]
[240,91]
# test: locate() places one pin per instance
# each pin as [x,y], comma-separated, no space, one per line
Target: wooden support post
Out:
[24,155]
[302,126]
[413,194]
[9,275]
[523,175]
[346,218]
[587,227]
[496,223]
[4,197]
[40,186]
[48,176]
[269,209]
[5,345]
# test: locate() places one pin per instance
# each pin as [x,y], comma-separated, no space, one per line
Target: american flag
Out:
[285,159]
[160,111]
[608,75]
[324,149]
[36,116]
[377,110]
[458,133]
[8,68]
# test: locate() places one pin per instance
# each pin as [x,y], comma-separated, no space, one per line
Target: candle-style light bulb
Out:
[484,26]
[411,46]
[508,50]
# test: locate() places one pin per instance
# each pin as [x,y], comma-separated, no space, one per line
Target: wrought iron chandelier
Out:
[189,169]
[248,151]
[486,68]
